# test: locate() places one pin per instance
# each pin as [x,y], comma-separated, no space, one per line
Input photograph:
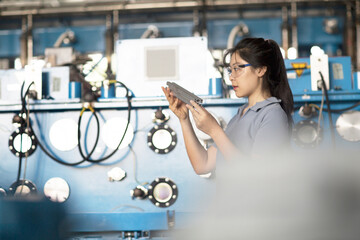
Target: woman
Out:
[261,127]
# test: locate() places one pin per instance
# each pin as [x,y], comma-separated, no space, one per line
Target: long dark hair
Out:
[259,53]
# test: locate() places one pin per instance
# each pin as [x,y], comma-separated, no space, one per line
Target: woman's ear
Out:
[261,71]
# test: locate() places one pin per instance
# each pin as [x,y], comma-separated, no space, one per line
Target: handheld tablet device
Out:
[183,94]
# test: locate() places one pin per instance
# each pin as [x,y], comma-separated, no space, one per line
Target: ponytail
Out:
[278,82]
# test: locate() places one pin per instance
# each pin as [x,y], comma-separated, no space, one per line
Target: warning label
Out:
[299,68]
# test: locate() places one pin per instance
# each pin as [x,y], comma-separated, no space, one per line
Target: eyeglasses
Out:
[236,70]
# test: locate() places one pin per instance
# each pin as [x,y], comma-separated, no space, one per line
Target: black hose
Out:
[97,135]
[20,164]
[21,131]
[126,128]
[85,158]
[37,139]
[343,109]
[329,109]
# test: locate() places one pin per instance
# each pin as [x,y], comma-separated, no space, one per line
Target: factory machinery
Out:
[82,160]
[118,165]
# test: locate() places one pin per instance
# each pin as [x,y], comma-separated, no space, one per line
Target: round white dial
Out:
[57,189]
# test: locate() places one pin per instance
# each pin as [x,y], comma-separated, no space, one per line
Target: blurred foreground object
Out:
[298,197]
[31,218]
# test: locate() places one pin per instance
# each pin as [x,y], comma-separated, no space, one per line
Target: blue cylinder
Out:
[74,90]
[108,91]
[215,87]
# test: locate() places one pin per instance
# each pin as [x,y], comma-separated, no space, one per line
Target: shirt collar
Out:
[264,103]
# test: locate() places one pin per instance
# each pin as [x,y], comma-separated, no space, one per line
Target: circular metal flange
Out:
[2,192]
[162,139]
[305,134]
[163,192]
[57,189]
[348,126]
[26,145]
[22,188]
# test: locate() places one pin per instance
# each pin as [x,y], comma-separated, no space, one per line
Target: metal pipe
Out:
[109,41]
[70,35]
[196,23]
[294,35]
[29,38]
[349,32]
[204,19]
[115,25]
[285,29]
[109,6]
[239,30]
[357,12]
[23,42]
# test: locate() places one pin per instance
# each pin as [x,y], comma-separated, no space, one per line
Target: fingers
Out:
[166,92]
[168,95]
[192,109]
[196,108]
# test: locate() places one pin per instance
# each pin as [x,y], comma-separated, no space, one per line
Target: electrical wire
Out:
[320,116]
[87,131]
[21,130]
[28,128]
[343,109]
[135,167]
[85,158]
[332,131]
[20,165]
[128,97]
[79,133]
[23,100]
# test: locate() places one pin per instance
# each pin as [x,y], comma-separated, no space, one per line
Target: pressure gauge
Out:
[57,190]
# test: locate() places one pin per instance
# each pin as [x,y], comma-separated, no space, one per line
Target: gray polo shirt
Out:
[262,129]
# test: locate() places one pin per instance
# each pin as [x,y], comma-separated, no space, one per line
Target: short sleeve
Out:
[273,134]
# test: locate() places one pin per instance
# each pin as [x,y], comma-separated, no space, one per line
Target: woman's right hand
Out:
[176,105]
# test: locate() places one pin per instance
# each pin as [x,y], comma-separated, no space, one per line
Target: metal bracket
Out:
[170,218]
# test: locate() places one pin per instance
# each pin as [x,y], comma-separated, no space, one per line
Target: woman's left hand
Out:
[203,119]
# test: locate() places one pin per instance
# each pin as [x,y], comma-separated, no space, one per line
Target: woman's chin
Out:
[240,95]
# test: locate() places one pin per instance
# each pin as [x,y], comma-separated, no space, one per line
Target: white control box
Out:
[319,64]
[33,74]
[10,85]
[145,65]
